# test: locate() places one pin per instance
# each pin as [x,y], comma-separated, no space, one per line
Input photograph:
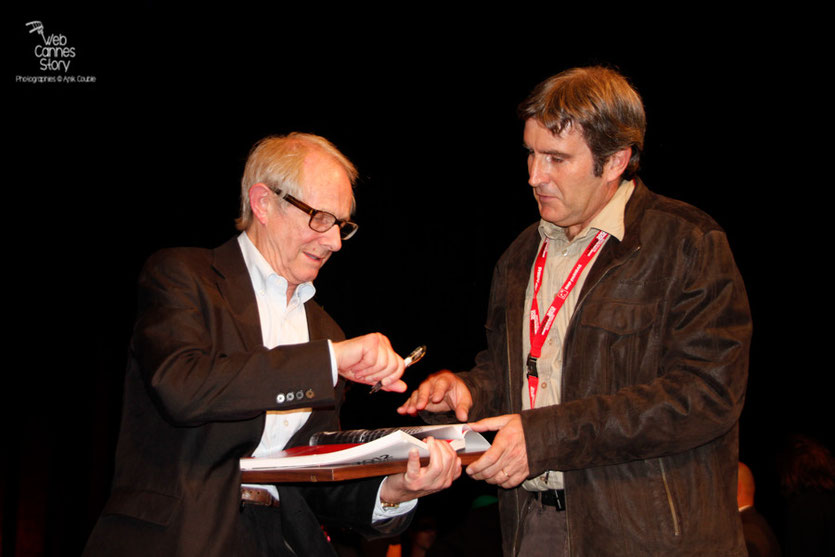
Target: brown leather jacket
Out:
[654,377]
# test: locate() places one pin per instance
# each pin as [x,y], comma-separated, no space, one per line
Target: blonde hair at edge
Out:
[277,162]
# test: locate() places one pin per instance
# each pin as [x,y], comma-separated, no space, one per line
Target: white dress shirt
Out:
[285,322]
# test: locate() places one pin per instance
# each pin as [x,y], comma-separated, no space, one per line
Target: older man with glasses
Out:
[232,358]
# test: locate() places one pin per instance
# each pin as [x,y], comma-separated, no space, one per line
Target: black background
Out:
[150,155]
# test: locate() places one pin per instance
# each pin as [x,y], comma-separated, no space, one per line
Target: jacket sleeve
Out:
[670,372]
[490,379]
[193,353]
[350,504]
[487,379]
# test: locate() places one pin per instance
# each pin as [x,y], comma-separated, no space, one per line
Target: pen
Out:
[412,358]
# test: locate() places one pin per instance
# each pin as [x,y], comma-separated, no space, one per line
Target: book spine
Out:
[349,436]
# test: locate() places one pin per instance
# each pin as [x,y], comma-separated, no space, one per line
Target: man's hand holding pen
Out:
[369,359]
[412,358]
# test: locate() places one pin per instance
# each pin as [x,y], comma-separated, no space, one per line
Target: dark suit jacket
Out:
[198,383]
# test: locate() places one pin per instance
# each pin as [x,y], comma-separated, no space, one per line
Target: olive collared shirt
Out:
[563,255]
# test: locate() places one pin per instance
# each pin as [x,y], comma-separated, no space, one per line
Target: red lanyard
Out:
[539,331]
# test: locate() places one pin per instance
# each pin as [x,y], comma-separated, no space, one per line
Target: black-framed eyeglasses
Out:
[321,221]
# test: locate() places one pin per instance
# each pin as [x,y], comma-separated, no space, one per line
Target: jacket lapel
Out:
[615,253]
[315,329]
[517,283]
[235,286]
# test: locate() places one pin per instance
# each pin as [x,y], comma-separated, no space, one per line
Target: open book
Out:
[363,446]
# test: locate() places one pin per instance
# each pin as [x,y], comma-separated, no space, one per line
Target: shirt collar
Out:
[609,219]
[260,272]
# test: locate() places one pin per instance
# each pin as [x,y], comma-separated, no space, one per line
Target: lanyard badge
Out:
[539,330]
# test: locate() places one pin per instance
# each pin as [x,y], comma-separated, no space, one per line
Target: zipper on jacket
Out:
[518,520]
[510,390]
[676,525]
[567,529]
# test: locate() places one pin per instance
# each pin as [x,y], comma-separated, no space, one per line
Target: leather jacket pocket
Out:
[668,492]
[615,339]
[619,318]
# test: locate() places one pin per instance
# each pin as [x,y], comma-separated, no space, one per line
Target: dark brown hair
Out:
[601,102]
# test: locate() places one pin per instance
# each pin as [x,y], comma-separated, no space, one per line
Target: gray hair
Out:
[277,162]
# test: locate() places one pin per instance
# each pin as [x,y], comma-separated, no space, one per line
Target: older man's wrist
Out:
[389,504]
